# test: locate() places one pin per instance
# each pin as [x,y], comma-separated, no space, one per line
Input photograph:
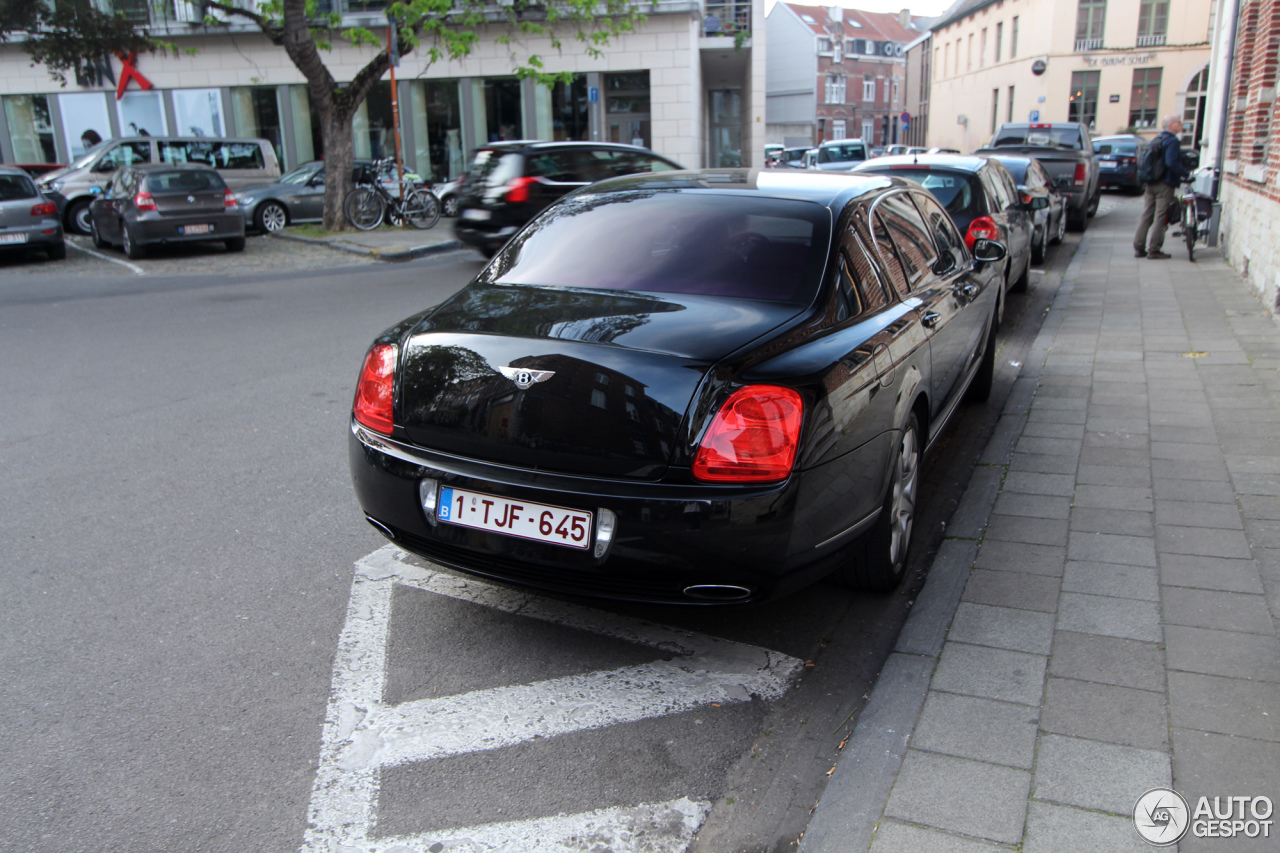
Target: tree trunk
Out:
[339,159]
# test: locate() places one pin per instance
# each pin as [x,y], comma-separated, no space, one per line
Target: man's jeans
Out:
[1155,206]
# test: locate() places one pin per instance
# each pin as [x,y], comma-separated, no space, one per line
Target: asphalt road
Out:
[179,540]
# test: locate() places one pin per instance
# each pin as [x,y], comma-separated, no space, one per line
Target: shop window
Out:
[1083,106]
[627,108]
[257,113]
[372,129]
[726,128]
[85,120]
[142,114]
[504,108]
[1144,102]
[437,129]
[30,128]
[569,110]
[198,112]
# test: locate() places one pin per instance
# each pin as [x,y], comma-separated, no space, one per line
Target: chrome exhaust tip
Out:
[382,528]
[717,592]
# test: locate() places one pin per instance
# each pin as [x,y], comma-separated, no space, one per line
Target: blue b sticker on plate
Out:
[446,500]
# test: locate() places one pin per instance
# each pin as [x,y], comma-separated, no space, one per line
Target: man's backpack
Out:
[1151,166]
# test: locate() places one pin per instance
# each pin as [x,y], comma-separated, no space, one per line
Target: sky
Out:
[930,8]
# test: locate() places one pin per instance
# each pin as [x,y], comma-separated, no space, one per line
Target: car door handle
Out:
[967,290]
[931,319]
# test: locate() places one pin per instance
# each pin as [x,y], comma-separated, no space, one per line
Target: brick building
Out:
[1244,114]
[834,73]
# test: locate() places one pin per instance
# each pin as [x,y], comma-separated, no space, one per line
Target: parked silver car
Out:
[28,220]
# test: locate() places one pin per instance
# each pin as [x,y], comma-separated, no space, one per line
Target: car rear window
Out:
[842,153]
[1043,136]
[1127,148]
[15,187]
[673,242]
[958,192]
[184,181]
[492,168]
[1017,168]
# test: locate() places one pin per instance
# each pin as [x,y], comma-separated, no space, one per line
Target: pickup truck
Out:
[1065,150]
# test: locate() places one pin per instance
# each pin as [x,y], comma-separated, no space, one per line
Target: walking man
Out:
[1159,193]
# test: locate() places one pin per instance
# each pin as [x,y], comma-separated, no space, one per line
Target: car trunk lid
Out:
[572,381]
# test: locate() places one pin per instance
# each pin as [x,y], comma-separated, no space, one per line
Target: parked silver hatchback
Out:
[28,220]
[240,162]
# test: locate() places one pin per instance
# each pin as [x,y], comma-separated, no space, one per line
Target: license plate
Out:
[195,229]
[1109,165]
[524,519]
[479,215]
[13,238]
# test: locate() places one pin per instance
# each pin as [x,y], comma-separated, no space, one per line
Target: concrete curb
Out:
[849,812]
[380,254]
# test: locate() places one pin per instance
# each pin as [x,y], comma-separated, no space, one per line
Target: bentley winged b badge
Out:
[525,378]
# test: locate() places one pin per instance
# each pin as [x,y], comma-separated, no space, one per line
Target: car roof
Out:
[539,144]
[959,162]
[859,140]
[830,189]
[14,170]
[169,167]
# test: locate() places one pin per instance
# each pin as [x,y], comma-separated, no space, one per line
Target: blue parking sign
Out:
[1035,115]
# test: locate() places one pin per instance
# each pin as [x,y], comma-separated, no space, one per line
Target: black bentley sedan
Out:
[690,387]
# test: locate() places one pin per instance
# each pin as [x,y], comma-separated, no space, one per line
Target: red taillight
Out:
[1126,160]
[983,227]
[374,390]
[144,201]
[1080,174]
[46,209]
[753,438]
[229,198]
[1027,198]
[518,189]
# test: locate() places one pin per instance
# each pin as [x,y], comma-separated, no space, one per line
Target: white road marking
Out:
[137,269]
[362,734]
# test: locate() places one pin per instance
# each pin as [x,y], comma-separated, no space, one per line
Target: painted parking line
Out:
[362,735]
[137,269]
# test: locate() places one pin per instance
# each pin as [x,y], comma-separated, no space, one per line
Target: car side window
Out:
[909,234]
[996,201]
[889,256]
[561,167]
[860,286]
[944,231]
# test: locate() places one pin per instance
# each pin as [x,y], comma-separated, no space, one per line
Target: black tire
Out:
[364,209]
[77,217]
[1061,233]
[1091,209]
[881,555]
[422,209]
[97,238]
[980,388]
[1077,223]
[57,252]
[449,206]
[270,217]
[1039,247]
[132,250]
[235,244]
[1189,229]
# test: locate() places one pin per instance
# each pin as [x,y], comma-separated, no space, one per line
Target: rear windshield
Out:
[842,153]
[14,187]
[957,191]
[1043,136]
[493,168]
[185,181]
[673,242]
[1129,148]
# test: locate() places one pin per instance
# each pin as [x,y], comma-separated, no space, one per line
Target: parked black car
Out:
[509,183]
[1049,216]
[156,204]
[1065,150]
[28,219]
[981,197]
[691,387]
[1117,158]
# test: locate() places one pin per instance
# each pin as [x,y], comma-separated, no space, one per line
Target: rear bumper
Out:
[162,230]
[41,234]
[676,544]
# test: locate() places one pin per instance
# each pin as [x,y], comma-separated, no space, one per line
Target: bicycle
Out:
[1194,210]
[370,203]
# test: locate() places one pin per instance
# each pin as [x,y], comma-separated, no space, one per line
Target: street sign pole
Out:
[393,51]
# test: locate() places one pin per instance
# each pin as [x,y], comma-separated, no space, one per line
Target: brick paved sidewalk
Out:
[1117,629]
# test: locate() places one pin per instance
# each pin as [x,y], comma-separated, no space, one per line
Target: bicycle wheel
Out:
[1189,228]
[422,209]
[363,208]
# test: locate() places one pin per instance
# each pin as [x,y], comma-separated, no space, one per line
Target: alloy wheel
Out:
[272,217]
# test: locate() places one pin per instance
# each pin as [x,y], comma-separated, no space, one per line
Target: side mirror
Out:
[989,251]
